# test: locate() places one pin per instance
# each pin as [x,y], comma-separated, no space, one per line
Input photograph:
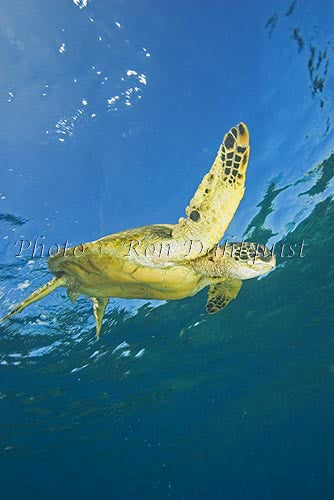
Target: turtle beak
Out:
[269,259]
[273,262]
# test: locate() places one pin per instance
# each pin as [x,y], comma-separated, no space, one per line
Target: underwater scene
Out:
[112,114]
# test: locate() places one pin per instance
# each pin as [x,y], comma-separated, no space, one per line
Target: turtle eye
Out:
[266,257]
[263,253]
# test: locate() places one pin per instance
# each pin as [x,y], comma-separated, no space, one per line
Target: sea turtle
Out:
[169,261]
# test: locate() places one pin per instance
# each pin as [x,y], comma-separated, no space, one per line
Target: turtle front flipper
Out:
[99,307]
[219,194]
[221,294]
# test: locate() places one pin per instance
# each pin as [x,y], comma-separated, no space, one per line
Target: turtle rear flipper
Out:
[99,307]
[39,294]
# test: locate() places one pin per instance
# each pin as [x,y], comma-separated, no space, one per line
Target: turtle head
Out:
[245,260]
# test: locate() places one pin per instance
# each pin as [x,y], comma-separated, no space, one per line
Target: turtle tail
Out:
[41,292]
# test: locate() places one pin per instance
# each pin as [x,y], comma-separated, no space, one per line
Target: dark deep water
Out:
[171,402]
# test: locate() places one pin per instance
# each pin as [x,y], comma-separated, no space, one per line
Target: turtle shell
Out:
[130,264]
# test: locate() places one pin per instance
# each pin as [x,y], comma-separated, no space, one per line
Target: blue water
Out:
[112,112]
